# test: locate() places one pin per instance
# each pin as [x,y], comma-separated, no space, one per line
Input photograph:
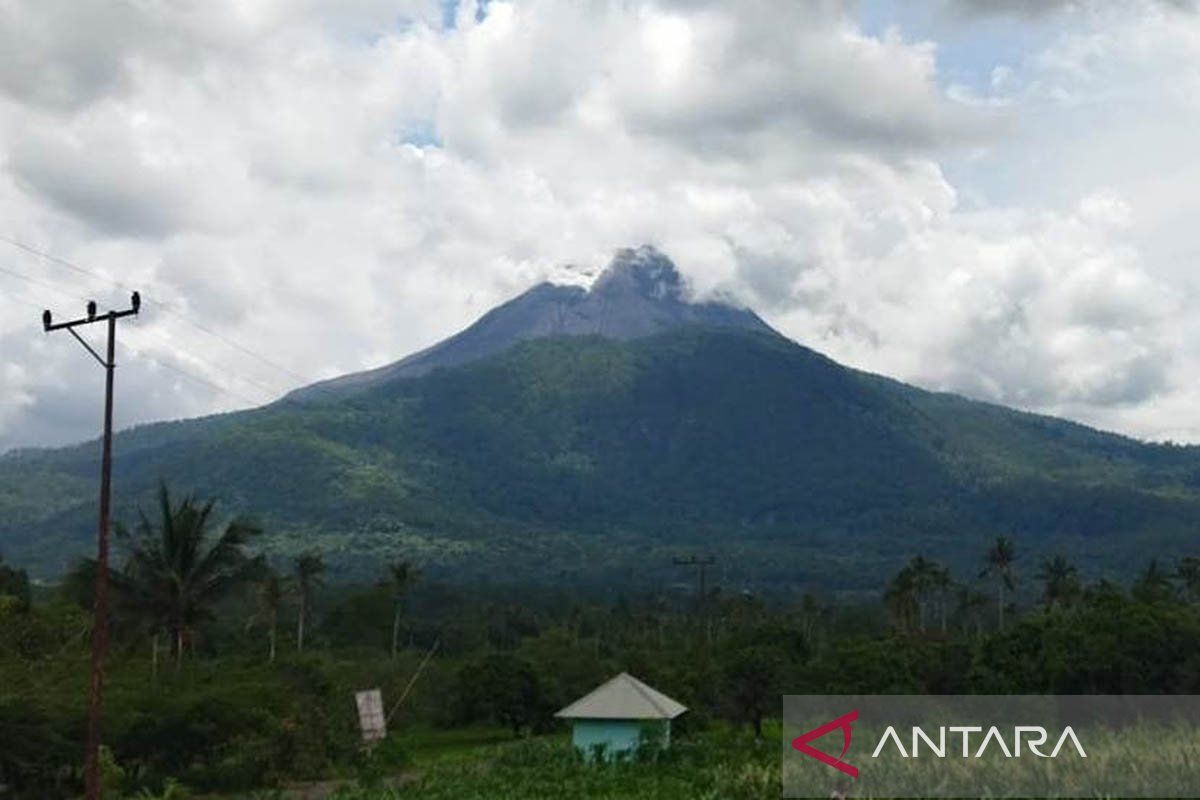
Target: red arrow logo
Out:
[843,722]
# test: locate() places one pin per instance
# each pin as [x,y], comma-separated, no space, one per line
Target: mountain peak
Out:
[641,270]
[640,293]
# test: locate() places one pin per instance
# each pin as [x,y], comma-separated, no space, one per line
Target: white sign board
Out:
[370,714]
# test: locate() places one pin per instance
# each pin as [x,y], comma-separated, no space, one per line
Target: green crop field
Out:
[721,762]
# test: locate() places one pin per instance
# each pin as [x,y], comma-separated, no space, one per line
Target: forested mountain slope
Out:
[596,459]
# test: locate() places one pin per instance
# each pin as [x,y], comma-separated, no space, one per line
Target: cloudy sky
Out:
[995,197]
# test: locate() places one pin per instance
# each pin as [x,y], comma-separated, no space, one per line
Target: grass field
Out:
[723,763]
[720,763]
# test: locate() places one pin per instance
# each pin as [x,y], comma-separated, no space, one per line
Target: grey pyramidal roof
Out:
[623,697]
[640,293]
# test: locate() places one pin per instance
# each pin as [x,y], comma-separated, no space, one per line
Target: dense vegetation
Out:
[593,462]
[264,659]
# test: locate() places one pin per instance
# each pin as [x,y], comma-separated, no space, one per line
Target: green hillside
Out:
[594,460]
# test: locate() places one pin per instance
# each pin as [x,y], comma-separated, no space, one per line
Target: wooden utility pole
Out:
[702,573]
[92,787]
[702,563]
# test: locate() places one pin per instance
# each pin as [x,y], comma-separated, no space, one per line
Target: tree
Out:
[269,596]
[923,573]
[1060,581]
[998,563]
[753,681]
[308,570]
[1153,585]
[971,603]
[173,576]
[900,597]
[942,583]
[811,615]
[502,688]
[401,576]
[920,583]
[14,583]
[1188,575]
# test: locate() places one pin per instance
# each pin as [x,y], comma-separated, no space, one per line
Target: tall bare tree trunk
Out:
[1001,605]
[178,648]
[271,638]
[300,626]
[395,631]
[154,657]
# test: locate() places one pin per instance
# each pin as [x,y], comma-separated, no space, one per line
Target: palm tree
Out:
[1188,574]
[810,618]
[970,609]
[942,583]
[134,610]
[901,598]
[269,595]
[308,569]
[999,563]
[402,575]
[173,576]
[919,583]
[1153,585]
[922,571]
[1061,581]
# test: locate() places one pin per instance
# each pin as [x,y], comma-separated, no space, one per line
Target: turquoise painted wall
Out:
[618,736]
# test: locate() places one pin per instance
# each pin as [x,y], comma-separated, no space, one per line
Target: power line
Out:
[43,284]
[167,307]
[187,374]
[141,353]
[57,260]
[24,301]
[270,391]
[236,345]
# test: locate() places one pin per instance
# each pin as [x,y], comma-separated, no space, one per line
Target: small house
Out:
[616,717]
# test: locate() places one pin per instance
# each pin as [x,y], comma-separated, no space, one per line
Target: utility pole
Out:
[92,788]
[702,564]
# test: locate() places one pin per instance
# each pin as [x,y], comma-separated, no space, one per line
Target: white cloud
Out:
[335,185]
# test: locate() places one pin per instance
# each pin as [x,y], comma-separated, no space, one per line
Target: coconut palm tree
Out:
[927,582]
[180,566]
[810,619]
[1153,585]
[922,571]
[942,583]
[998,563]
[970,609]
[135,611]
[269,596]
[401,576]
[901,598]
[1061,581]
[308,568]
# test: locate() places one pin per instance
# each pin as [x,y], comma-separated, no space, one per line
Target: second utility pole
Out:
[703,564]
[92,787]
